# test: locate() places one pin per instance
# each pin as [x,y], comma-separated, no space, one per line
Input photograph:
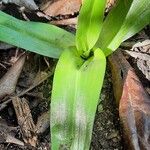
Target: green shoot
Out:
[125,20]
[89,25]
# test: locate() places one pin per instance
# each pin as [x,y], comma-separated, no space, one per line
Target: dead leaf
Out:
[43,122]
[134,106]
[62,7]
[12,139]
[9,80]
[6,135]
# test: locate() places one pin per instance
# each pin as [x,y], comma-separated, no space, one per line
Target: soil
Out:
[106,132]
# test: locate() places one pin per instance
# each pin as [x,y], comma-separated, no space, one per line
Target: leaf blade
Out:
[74,99]
[133,16]
[44,39]
[89,24]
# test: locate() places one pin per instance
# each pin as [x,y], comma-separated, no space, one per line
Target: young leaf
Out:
[44,39]
[75,97]
[125,20]
[89,25]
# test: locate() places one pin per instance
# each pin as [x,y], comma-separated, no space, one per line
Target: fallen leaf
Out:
[9,80]
[43,122]
[6,135]
[62,7]
[134,105]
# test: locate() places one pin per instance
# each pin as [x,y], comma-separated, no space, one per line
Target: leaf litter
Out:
[134,106]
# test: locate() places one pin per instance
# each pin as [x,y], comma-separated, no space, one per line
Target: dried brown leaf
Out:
[9,80]
[5,134]
[134,106]
[62,7]
[43,122]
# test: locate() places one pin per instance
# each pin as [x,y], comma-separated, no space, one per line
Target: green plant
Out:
[80,70]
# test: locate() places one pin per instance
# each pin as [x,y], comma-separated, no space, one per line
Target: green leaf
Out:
[89,25]
[125,20]
[75,95]
[44,39]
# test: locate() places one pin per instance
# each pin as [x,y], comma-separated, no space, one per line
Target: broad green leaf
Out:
[44,39]
[125,20]
[76,88]
[89,25]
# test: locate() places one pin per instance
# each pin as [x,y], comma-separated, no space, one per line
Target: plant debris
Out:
[134,106]
[25,120]
[6,135]
[9,80]
[61,7]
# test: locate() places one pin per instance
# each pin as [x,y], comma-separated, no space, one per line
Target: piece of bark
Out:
[9,80]
[43,122]
[25,120]
[134,105]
